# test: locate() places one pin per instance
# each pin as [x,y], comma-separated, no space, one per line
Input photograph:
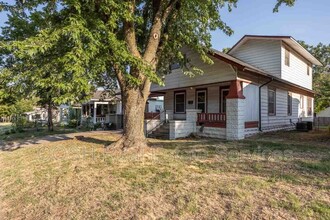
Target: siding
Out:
[264,54]
[281,117]
[251,93]
[297,71]
[217,72]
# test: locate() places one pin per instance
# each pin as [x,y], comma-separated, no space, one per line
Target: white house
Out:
[263,83]
[103,107]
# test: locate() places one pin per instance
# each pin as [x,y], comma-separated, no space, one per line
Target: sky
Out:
[308,20]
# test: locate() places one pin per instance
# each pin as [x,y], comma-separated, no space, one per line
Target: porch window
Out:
[289,103]
[201,100]
[180,102]
[309,106]
[271,101]
[223,93]
[287,57]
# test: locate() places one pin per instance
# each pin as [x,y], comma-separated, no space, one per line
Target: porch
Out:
[216,110]
[103,112]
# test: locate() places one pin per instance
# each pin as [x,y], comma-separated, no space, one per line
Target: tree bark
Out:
[50,117]
[134,106]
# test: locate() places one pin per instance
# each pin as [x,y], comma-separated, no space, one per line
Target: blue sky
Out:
[308,20]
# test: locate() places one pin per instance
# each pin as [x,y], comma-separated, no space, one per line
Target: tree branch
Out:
[130,35]
[156,30]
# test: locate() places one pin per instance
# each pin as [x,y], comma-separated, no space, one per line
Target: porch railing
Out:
[212,119]
[152,115]
[100,119]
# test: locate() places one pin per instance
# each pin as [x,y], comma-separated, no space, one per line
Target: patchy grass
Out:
[270,176]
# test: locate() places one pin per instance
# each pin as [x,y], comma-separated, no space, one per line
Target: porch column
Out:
[235,107]
[94,116]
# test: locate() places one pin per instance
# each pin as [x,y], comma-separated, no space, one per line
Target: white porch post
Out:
[94,116]
[235,107]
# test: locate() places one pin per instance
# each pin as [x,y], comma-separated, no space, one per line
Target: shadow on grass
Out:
[12,146]
[94,140]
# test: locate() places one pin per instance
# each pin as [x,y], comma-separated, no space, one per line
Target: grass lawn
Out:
[282,175]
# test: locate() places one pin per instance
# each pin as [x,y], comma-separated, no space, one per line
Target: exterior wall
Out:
[211,132]
[281,119]
[251,93]
[180,129]
[264,54]
[217,72]
[297,71]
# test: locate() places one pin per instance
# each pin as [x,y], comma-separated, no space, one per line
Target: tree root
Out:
[123,144]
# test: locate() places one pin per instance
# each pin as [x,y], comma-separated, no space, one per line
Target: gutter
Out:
[271,80]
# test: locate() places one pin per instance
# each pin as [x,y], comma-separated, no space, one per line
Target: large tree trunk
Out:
[50,117]
[133,136]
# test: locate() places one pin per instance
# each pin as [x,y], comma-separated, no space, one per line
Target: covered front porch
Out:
[106,112]
[214,110]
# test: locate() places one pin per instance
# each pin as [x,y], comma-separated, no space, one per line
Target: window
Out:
[271,102]
[301,101]
[223,93]
[180,102]
[287,57]
[309,106]
[289,103]
[308,69]
[201,100]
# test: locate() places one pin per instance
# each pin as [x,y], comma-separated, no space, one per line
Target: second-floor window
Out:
[308,69]
[287,57]
[271,102]
[289,103]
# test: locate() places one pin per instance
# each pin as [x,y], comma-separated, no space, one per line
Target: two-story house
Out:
[263,83]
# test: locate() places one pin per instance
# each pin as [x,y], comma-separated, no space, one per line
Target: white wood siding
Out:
[264,54]
[282,117]
[217,72]
[297,71]
[251,93]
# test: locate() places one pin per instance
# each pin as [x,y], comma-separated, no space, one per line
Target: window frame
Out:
[221,98]
[289,103]
[184,102]
[287,56]
[274,109]
[196,101]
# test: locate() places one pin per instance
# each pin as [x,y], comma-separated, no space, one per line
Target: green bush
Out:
[72,123]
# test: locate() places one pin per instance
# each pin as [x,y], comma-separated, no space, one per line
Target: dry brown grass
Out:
[272,176]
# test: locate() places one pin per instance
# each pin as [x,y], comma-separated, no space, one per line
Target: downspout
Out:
[260,101]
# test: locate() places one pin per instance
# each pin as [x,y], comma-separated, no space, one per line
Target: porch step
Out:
[163,132]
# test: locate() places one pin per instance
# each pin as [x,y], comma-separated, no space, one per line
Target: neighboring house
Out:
[155,104]
[263,83]
[103,107]
[324,113]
